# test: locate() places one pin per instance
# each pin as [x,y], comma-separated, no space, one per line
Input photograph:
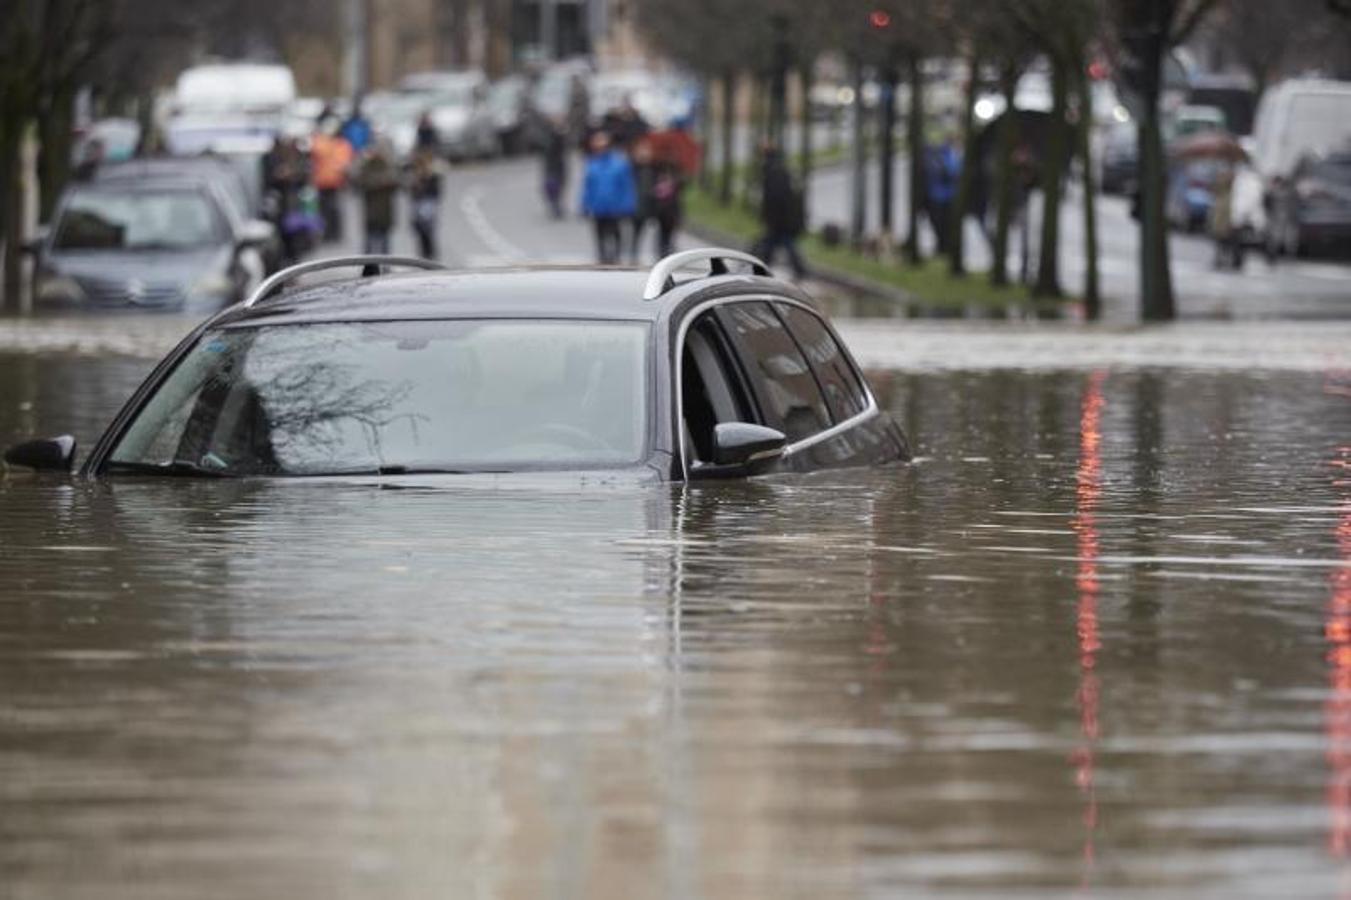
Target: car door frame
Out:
[687,318]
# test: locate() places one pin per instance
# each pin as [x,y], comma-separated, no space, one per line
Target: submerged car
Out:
[169,241]
[609,371]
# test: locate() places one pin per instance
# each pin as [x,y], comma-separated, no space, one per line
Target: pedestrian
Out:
[644,186]
[357,129]
[780,212]
[608,196]
[625,124]
[579,111]
[424,190]
[668,189]
[428,138]
[287,180]
[675,144]
[1228,244]
[658,183]
[379,182]
[555,159]
[943,166]
[330,158]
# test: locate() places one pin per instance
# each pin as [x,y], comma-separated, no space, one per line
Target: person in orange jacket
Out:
[330,158]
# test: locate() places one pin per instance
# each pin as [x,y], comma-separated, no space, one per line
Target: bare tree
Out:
[1147,31]
[1063,30]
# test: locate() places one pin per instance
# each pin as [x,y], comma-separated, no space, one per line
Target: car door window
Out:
[842,386]
[790,396]
[711,387]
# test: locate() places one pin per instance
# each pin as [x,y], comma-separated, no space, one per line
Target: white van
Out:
[1298,117]
[247,89]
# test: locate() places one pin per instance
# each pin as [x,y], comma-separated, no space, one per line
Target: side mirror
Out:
[45,454]
[255,232]
[740,448]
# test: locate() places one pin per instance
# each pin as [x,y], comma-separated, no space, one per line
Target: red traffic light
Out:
[879,18]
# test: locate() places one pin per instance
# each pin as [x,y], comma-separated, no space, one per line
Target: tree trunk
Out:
[755,137]
[1008,139]
[54,138]
[805,150]
[966,180]
[888,153]
[706,134]
[728,137]
[1052,172]
[1092,297]
[1156,283]
[914,133]
[858,210]
[11,214]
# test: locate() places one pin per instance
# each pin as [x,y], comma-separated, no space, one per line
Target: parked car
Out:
[1120,159]
[1190,120]
[620,374]
[457,102]
[660,100]
[1299,117]
[395,115]
[1234,95]
[237,179]
[1295,119]
[118,137]
[218,105]
[1311,210]
[175,243]
[553,89]
[511,105]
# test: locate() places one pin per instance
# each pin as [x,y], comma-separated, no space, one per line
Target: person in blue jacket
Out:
[609,196]
[357,129]
[943,168]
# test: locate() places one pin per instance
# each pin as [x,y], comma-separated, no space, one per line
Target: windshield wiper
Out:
[177,467]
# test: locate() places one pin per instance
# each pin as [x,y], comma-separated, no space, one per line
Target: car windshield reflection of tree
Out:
[397,397]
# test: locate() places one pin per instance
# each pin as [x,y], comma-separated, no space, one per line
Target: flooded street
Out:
[1095,640]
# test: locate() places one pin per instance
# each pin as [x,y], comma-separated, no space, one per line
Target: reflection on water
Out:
[1097,638]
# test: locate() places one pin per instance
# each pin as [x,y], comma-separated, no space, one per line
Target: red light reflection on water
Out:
[1087,492]
[1337,633]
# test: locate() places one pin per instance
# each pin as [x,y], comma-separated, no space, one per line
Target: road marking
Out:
[494,239]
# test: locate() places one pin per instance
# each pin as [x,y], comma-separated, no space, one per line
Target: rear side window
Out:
[844,391]
[790,396]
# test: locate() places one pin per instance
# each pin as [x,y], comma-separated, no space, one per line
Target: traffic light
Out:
[879,19]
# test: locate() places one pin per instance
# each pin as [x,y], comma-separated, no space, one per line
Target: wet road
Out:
[1096,639]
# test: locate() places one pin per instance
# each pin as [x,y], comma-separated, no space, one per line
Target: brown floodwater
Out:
[1096,639]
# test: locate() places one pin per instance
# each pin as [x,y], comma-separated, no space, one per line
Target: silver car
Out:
[457,103]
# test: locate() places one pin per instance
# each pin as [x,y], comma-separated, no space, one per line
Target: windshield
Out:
[109,219]
[390,397]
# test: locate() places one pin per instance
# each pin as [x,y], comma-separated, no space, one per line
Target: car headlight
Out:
[54,288]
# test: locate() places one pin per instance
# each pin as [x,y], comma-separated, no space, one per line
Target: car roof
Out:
[176,181]
[533,292]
